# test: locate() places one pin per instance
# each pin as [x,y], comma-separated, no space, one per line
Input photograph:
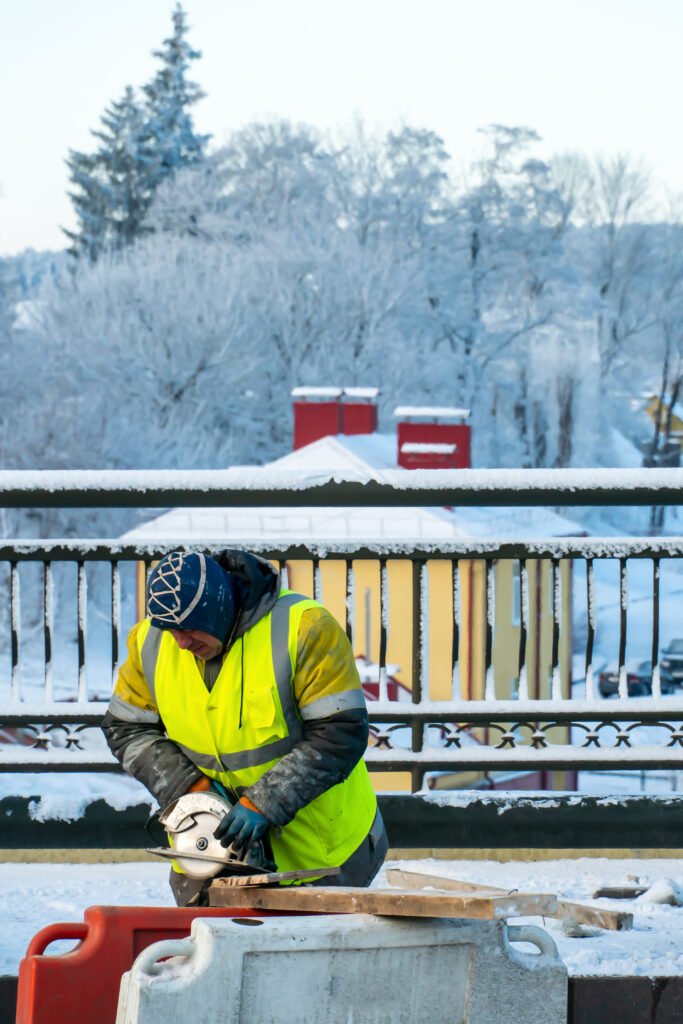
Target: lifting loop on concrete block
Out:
[536,936]
[148,961]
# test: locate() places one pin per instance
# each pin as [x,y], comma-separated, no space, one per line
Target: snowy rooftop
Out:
[443,412]
[316,392]
[356,454]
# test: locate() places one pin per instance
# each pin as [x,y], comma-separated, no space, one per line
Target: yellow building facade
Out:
[468,681]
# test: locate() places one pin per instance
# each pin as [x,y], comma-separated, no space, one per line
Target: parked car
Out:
[638,679]
[672,661]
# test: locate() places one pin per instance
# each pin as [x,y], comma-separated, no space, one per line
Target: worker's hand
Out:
[242,826]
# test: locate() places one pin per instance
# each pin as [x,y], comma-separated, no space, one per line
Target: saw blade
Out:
[237,867]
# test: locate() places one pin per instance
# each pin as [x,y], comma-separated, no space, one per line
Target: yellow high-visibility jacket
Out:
[283,721]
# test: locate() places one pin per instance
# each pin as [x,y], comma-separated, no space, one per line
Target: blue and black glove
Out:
[242,826]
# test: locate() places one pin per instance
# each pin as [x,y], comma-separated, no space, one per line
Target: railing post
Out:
[383,627]
[15,629]
[590,628]
[456,691]
[656,679]
[417,664]
[623,623]
[82,606]
[48,622]
[115,619]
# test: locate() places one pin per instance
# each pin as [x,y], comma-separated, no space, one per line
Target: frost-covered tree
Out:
[328,234]
[89,199]
[116,182]
[494,289]
[152,357]
[290,257]
[169,99]
[141,143]
[618,195]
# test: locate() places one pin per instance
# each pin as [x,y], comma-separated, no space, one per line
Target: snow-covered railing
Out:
[49,716]
[271,487]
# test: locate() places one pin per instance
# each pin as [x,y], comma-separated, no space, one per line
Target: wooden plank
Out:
[620,892]
[388,902]
[582,913]
[419,880]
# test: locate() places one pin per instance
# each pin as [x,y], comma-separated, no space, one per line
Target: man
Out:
[234,679]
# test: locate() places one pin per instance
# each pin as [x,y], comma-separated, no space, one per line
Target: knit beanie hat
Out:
[192,591]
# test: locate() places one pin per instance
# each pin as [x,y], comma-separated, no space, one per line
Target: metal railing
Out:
[492,733]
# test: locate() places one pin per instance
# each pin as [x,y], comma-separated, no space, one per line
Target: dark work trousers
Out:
[358,870]
[364,863]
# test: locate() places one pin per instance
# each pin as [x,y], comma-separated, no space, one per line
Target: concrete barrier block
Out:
[347,969]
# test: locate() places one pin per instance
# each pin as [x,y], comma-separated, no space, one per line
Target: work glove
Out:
[200,785]
[242,826]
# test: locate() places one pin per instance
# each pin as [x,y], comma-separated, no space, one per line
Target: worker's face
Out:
[201,644]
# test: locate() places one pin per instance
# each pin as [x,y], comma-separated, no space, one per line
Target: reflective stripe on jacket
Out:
[249,720]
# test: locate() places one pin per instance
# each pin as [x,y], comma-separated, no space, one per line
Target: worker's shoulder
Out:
[135,629]
[318,623]
[317,614]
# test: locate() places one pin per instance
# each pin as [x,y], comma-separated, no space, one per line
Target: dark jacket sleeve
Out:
[332,745]
[136,737]
[145,753]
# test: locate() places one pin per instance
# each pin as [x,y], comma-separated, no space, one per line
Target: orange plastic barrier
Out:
[82,986]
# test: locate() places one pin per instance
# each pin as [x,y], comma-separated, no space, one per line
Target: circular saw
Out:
[190,822]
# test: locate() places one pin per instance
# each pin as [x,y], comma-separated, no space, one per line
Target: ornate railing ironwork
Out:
[420,736]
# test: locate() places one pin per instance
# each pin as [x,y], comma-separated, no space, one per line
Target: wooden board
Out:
[388,902]
[419,880]
[620,892]
[582,913]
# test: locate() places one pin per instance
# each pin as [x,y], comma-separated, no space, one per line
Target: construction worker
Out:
[232,678]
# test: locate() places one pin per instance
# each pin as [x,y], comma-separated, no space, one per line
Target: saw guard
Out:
[190,822]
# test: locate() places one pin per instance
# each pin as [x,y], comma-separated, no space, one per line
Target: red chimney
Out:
[426,443]
[359,410]
[319,412]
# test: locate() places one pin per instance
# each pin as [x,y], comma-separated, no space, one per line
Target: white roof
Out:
[306,391]
[356,453]
[313,392]
[440,411]
[361,392]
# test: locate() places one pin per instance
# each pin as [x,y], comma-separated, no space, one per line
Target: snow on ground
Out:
[35,895]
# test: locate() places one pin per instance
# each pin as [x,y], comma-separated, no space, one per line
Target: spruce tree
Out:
[89,202]
[169,96]
[141,142]
[127,158]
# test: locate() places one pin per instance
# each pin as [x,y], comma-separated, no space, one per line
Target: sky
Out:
[599,76]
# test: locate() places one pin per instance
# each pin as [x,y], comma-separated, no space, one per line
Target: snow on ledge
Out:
[315,392]
[539,799]
[441,411]
[258,478]
[417,448]
[361,392]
